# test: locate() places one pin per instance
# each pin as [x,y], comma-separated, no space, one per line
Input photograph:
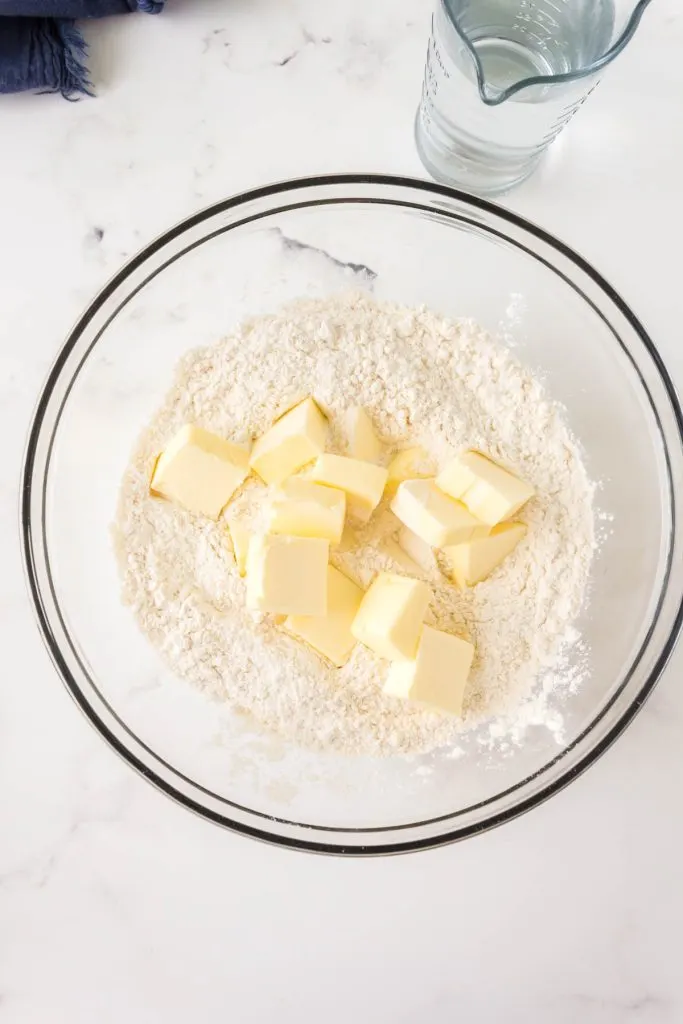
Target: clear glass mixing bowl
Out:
[417,243]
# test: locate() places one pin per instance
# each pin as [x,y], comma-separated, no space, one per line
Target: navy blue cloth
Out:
[42,49]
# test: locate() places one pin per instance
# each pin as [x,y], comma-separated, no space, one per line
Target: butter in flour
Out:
[424,380]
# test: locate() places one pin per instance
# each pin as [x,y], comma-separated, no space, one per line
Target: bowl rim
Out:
[43,619]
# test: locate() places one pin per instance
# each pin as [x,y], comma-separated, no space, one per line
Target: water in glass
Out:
[489,147]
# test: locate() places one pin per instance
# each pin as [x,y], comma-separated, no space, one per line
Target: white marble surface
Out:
[115,904]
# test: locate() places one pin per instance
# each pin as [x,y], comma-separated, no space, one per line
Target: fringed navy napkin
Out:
[42,49]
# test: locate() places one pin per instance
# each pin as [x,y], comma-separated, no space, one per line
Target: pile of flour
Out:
[424,380]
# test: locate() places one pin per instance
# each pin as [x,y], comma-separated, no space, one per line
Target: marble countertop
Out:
[116,904]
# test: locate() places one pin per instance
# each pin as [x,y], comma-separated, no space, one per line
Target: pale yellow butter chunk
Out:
[305,509]
[488,490]
[390,617]
[417,549]
[240,537]
[435,517]
[349,539]
[295,439]
[437,677]
[363,441]
[410,552]
[287,575]
[200,471]
[410,464]
[389,546]
[363,482]
[473,561]
[330,634]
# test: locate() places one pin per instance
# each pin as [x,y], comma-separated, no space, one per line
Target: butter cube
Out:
[417,549]
[287,575]
[330,634]
[391,548]
[349,539]
[200,471]
[296,438]
[490,492]
[476,559]
[435,518]
[363,482]
[438,675]
[390,617]
[411,464]
[305,509]
[411,553]
[363,441]
[240,537]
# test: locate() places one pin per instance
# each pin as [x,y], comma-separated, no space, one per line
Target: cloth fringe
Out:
[43,49]
[73,73]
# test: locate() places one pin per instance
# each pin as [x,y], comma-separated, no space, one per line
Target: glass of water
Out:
[503,77]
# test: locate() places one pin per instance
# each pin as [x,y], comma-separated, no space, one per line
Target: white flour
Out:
[424,379]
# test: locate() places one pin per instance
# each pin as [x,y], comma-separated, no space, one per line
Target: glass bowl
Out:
[415,242]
